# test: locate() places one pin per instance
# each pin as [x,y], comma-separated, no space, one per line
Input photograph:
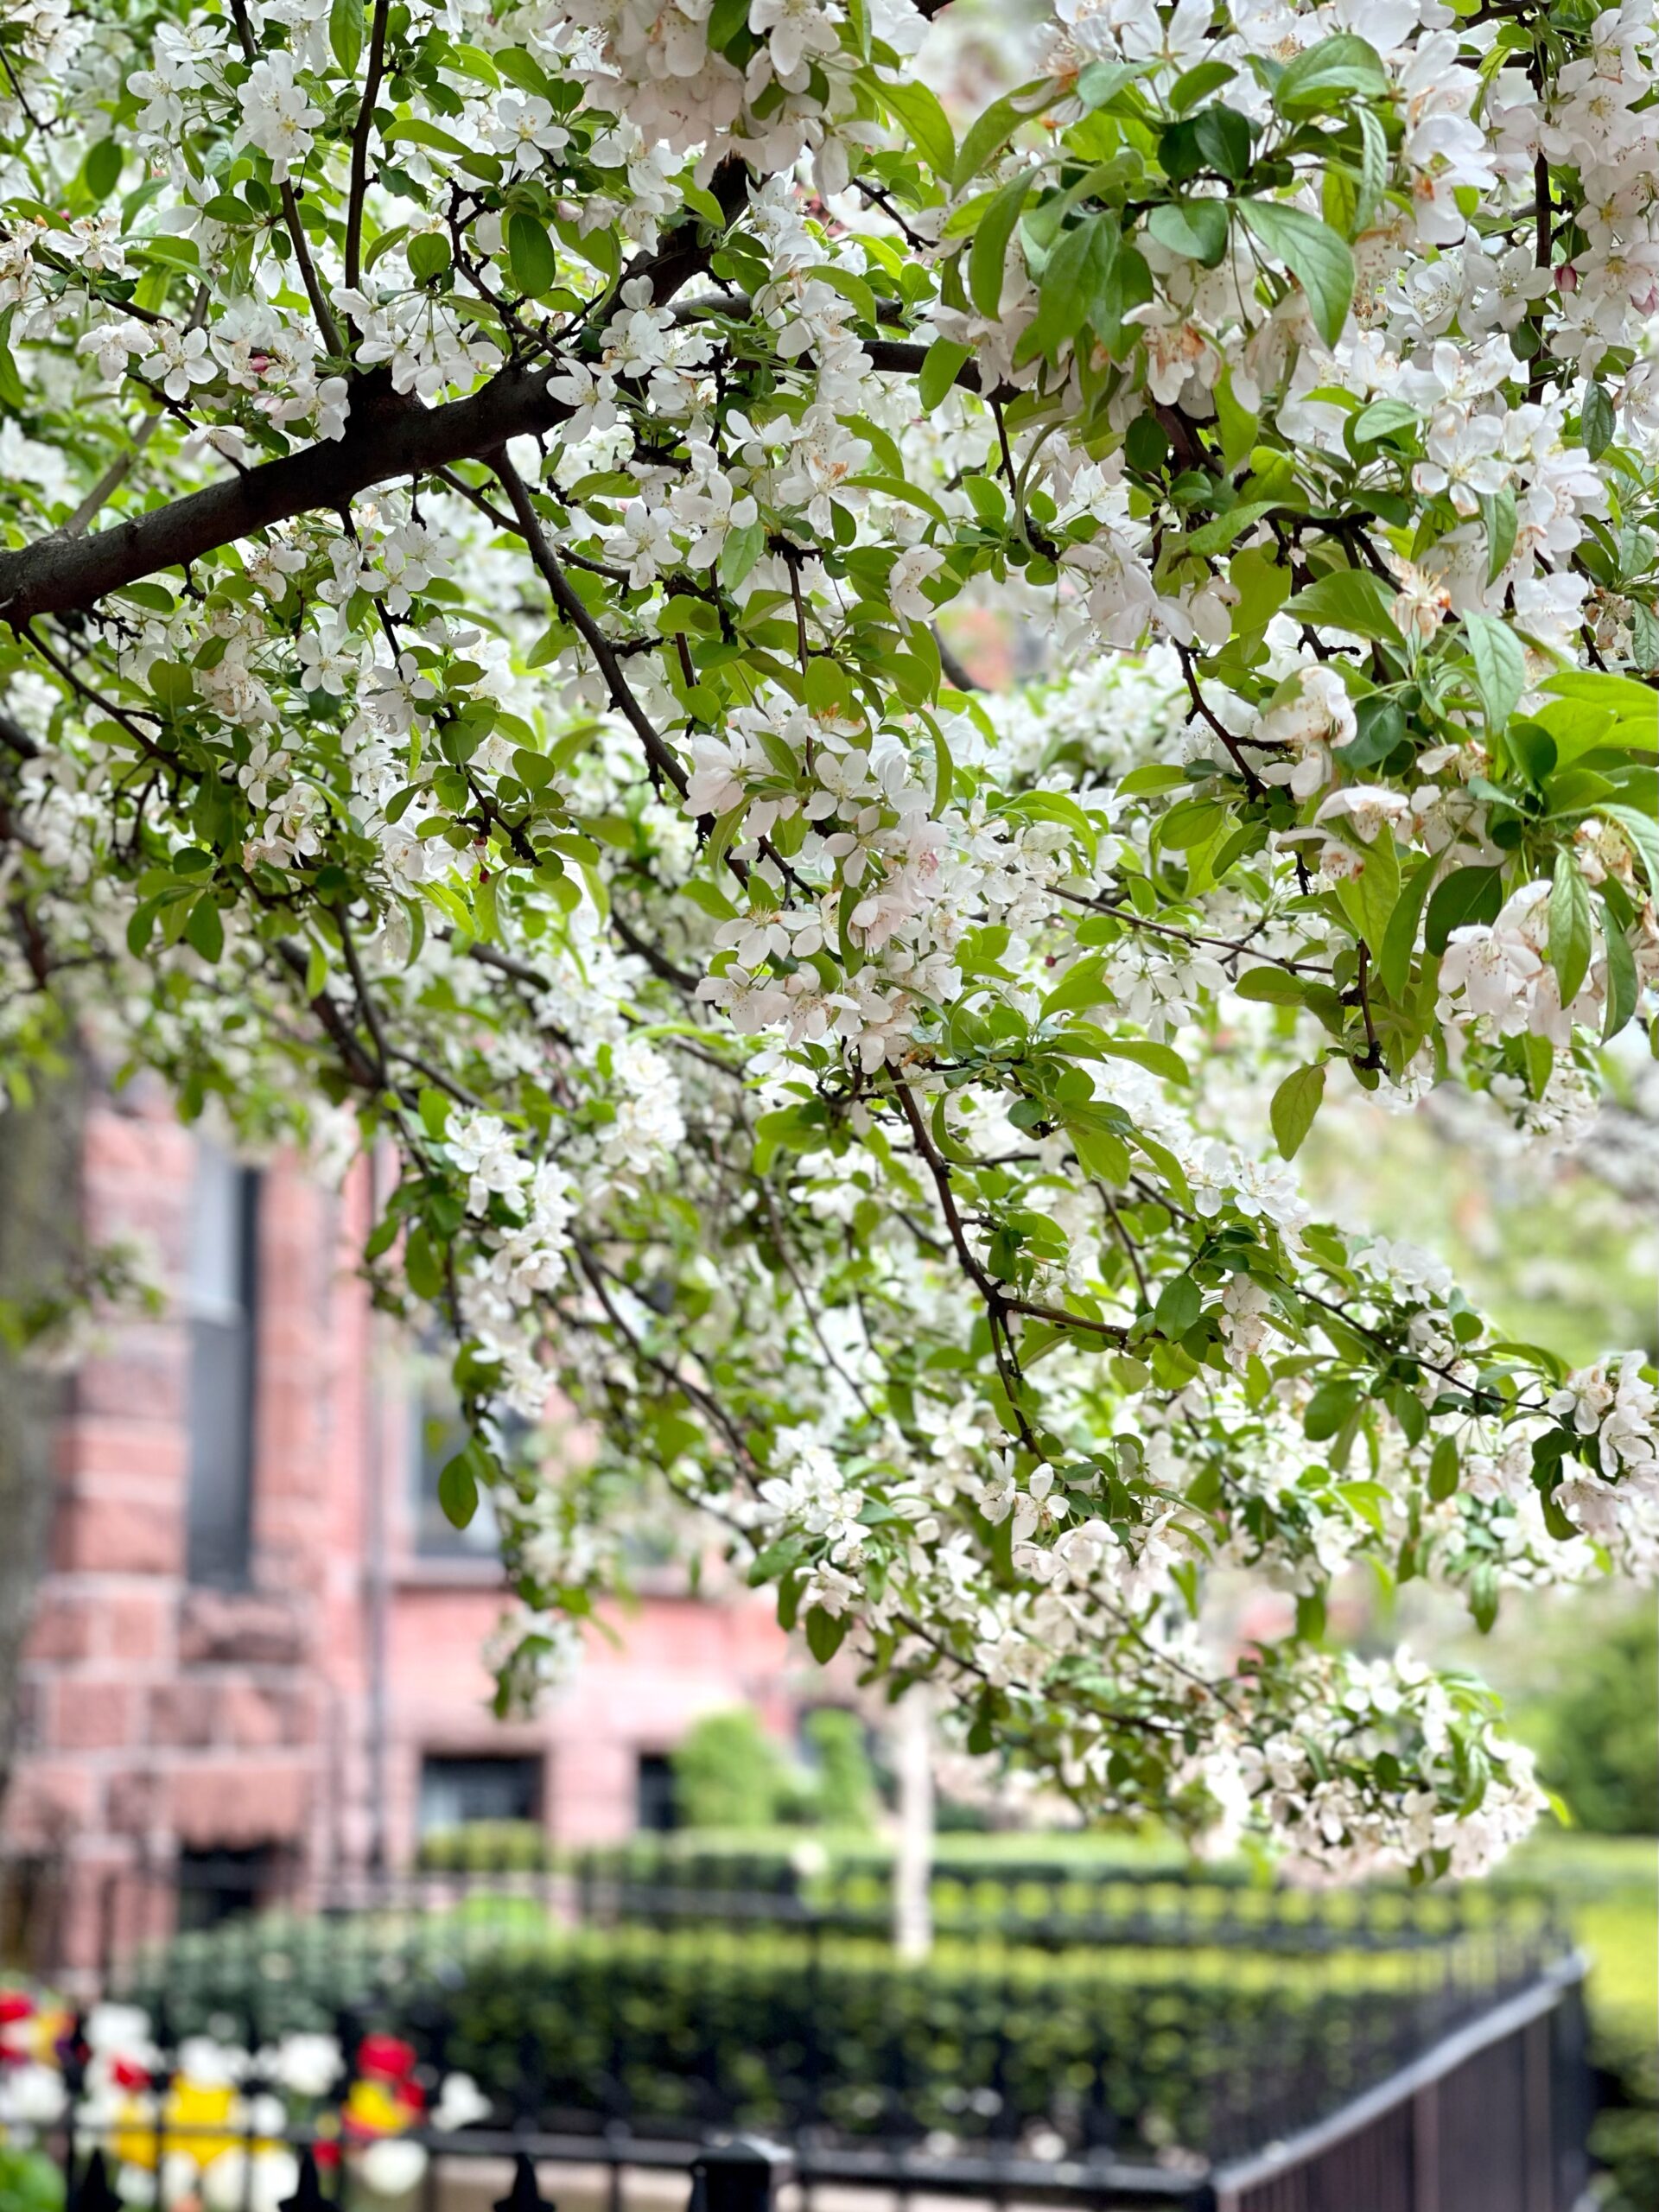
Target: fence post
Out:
[1426,2149]
[308,2195]
[736,2178]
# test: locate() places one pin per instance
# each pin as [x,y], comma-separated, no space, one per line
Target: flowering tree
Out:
[485,490]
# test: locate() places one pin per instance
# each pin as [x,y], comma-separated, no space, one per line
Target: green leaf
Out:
[1162,1059]
[997,125]
[1101,1151]
[422,1267]
[458,1489]
[1348,599]
[428,256]
[1572,938]
[1083,984]
[346,33]
[1194,228]
[1381,722]
[101,171]
[415,130]
[1373,168]
[918,108]
[1644,835]
[1468,897]
[172,683]
[1400,938]
[1500,666]
[530,256]
[726,19]
[206,929]
[1329,1408]
[1318,260]
[1179,1304]
[1074,277]
[1295,1105]
[1217,535]
[1498,517]
[1271,986]
[1191,85]
[739,551]
[940,366]
[1623,986]
[989,253]
[1597,421]
[825,1633]
[1443,1471]
[1102,80]
[1330,72]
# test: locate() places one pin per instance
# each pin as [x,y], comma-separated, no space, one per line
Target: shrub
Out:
[730,1773]
[1598,1733]
[842,1793]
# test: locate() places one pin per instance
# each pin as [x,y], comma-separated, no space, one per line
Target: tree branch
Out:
[663,762]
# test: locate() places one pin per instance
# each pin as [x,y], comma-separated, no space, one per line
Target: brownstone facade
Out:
[323,1695]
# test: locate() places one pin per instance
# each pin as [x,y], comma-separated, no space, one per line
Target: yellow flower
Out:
[197,2119]
[373,2108]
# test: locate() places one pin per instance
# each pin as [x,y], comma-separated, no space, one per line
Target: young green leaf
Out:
[1295,1105]
[458,1489]
[1328,74]
[1320,262]
[346,33]
[1572,938]
[1500,666]
[1179,1304]
[1596,421]
[988,252]
[1194,228]
[941,365]
[916,106]
[1623,988]
[1643,833]
[1467,897]
[1348,599]
[529,255]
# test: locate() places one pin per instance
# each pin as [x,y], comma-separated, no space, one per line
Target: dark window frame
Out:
[222,1408]
[456,1768]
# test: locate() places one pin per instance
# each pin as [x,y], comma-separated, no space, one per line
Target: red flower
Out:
[127,2073]
[15,2004]
[411,2095]
[390,2057]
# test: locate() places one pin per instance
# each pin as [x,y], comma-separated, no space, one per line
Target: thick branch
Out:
[386,438]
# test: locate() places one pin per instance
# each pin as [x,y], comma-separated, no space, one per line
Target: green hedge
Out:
[1209,2048]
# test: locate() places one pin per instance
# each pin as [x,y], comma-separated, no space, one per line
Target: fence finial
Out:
[308,2197]
[94,2193]
[523,2195]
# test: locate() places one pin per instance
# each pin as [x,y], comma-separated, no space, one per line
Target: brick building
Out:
[257,1636]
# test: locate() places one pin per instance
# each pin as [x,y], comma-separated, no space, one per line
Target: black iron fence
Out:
[1490,2120]
[1115,2033]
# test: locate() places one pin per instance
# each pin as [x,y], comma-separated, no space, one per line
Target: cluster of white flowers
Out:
[859,1092]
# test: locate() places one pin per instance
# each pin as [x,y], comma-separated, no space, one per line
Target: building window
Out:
[455,1791]
[222,1882]
[221,1299]
[438,1432]
[656,1801]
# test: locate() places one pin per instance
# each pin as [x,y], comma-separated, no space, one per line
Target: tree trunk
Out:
[41,1252]
[913,1873]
